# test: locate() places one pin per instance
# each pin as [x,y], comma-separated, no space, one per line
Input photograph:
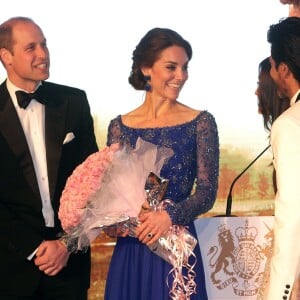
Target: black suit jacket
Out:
[22,226]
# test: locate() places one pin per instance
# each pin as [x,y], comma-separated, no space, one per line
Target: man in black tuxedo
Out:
[40,145]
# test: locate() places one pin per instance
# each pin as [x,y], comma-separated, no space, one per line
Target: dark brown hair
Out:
[148,51]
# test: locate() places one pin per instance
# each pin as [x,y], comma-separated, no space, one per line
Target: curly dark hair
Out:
[284,38]
[148,50]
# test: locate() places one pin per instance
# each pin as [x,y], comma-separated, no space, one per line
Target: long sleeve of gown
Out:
[204,195]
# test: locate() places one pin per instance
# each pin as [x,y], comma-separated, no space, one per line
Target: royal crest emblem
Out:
[238,261]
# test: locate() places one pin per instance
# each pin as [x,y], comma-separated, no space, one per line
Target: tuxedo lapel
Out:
[12,132]
[55,112]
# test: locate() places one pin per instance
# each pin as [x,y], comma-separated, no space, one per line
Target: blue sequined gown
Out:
[135,273]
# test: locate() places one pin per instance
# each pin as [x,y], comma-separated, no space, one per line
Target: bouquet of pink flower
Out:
[82,186]
[107,189]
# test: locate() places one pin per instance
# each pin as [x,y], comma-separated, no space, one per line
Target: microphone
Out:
[229,197]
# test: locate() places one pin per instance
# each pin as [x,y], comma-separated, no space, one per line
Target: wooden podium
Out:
[236,252]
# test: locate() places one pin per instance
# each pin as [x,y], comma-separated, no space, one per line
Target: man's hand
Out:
[51,257]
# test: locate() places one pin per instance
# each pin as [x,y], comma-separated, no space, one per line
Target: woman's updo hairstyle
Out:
[148,51]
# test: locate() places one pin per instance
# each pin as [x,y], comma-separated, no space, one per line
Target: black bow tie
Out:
[25,98]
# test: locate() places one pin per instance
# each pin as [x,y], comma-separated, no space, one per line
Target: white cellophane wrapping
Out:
[119,195]
[176,247]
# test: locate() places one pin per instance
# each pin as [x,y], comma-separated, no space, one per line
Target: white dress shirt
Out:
[33,122]
[285,142]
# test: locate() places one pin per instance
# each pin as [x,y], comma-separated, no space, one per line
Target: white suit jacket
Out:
[285,142]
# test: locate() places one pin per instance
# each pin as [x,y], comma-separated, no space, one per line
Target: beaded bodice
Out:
[193,169]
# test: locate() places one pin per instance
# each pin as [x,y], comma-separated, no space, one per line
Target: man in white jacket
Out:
[284,38]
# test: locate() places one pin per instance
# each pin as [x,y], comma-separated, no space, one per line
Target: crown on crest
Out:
[222,228]
[246,233]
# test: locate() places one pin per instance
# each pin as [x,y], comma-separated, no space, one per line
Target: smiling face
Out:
[28,62]
[168,73]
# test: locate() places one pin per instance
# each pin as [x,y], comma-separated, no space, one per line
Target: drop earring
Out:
[147,78]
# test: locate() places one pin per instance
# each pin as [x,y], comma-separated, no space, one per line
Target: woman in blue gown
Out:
[160,67]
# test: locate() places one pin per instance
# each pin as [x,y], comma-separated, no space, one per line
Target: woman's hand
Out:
[153,225]
[144,208]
